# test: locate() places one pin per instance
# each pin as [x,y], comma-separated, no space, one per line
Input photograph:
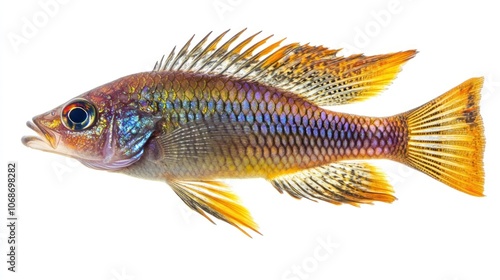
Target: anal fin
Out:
[216,199]
[344,182]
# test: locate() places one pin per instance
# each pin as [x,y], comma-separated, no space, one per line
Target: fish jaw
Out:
[47,140]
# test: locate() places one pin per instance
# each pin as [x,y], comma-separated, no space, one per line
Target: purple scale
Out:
[283,118]
[322,115]
[267,118]
[308,131]
[272,130]
[245,106]
[319,123]
[267,96]
[358,144]
[258,96]
[275,118]
[286,128]
[338,143]
[305,121]
[241,117]
[298,119]
[382,142]
[258,117]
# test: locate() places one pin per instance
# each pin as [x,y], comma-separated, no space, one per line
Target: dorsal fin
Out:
[314,72]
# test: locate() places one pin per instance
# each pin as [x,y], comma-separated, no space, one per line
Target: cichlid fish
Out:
[215,111]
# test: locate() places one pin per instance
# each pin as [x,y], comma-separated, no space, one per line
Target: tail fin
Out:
[446,138]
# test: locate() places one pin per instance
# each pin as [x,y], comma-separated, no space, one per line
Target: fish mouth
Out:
[47,140]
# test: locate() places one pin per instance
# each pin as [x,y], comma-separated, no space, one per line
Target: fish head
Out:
[99,128]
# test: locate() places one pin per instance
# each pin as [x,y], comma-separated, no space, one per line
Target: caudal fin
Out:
[446,139]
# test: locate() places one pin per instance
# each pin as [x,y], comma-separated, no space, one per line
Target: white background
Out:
[77,223]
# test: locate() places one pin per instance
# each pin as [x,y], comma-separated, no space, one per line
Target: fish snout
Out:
[47,139]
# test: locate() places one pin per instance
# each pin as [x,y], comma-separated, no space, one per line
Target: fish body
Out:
[211,112]
[273,132]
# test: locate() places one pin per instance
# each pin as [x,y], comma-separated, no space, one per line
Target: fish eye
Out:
[78,114]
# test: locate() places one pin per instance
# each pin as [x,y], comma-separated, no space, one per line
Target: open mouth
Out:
[46,140]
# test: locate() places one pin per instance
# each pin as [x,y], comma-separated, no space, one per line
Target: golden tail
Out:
[446,140]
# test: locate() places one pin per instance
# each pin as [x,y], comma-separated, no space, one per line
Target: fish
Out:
[241,108]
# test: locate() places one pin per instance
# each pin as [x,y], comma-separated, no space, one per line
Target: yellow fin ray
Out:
[445,138]
[344,182]
[327,80]
[216,199]
[313,72]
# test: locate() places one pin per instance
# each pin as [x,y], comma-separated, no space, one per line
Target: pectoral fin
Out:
[199,138]
[337,183]
[216,199]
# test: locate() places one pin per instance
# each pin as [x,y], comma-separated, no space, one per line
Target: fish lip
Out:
[48,137]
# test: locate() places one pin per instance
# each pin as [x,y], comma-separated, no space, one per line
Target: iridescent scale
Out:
[275,132]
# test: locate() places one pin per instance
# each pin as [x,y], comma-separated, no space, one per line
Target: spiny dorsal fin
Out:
[314,72]
[337,183]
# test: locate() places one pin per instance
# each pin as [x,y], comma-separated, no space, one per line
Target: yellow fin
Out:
[314,72]
[326,80]
[216,199]
[446,138]
[344,182]
[365,77]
